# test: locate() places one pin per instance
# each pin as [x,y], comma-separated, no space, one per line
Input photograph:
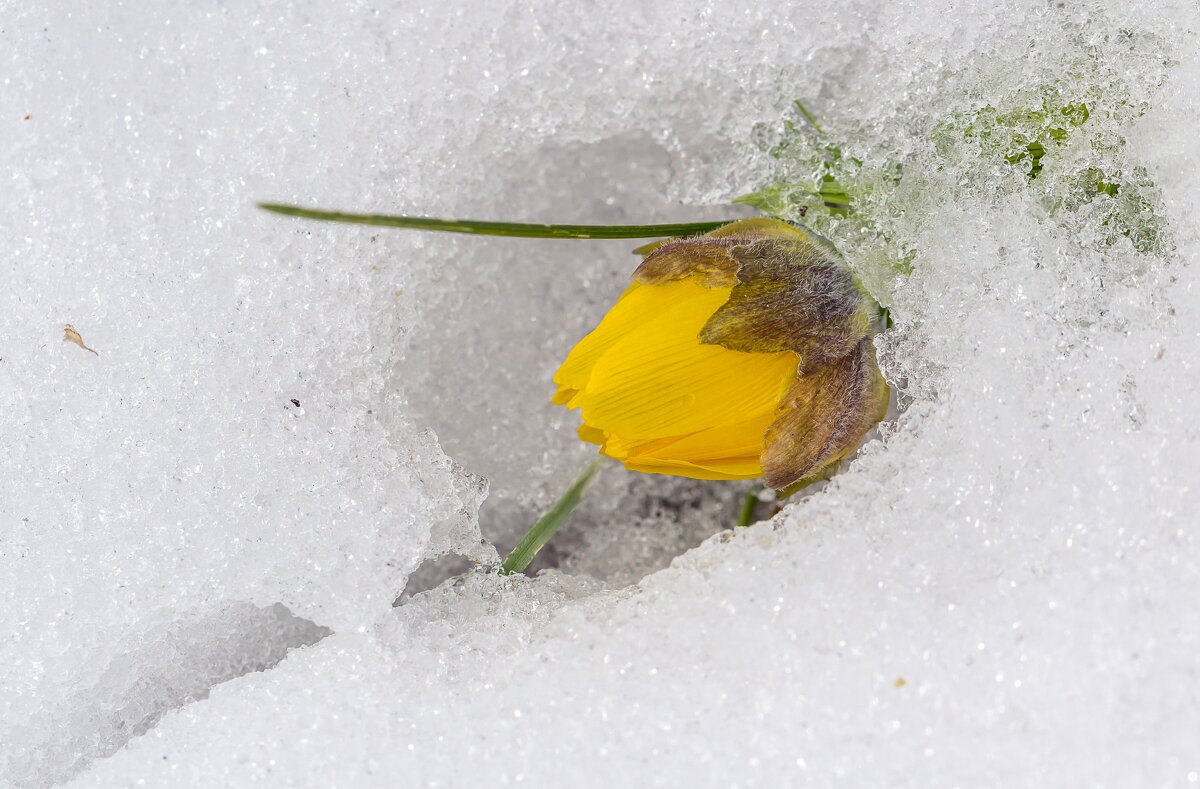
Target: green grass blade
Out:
[548,524]
[808,116]
[749,506]
[512,229]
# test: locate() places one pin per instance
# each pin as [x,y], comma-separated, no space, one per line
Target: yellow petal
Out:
[657,380]
[737,468]
[574,372]
[591,434]
[744,439]
[563,395]
[727,452]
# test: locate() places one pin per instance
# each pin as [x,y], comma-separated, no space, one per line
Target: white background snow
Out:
[197,576]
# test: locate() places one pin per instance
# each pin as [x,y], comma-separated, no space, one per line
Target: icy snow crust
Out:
[998,591]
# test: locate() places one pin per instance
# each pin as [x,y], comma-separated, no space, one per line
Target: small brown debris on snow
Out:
[70,334]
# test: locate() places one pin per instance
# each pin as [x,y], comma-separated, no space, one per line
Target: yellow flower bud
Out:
[742,353]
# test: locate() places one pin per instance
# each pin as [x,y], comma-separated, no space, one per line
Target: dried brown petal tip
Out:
[791,296]
[823,417]
[706,260]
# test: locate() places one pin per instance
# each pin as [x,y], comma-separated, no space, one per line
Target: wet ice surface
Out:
[999,591]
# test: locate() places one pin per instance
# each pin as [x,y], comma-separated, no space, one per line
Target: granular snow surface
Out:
[224,530]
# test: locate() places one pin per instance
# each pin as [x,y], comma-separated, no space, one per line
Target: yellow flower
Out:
[738,354]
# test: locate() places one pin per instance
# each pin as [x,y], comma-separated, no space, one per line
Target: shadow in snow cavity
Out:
[628,526]
[167,667]
[499,316]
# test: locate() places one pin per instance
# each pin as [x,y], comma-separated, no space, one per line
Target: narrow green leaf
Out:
[808,116]
[746,513]
[511,229]
[541,532]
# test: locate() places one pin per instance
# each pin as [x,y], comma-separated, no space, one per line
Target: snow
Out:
[206,523]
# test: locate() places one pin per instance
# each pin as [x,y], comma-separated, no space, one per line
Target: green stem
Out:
[808,116]
[512,229]
[548,524]
[749,505]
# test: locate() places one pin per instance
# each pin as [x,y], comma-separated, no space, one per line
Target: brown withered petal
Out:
[790,296]
[823,416]
[706,259]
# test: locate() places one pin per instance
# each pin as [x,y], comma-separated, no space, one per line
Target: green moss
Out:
[823,186]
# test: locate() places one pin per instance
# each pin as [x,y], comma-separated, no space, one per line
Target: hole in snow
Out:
[163,668]
[500,316]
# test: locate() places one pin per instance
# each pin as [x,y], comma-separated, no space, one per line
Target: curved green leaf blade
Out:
[511,229]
